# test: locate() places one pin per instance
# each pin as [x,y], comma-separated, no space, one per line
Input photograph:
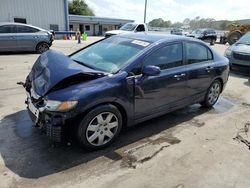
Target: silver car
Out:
[23,37]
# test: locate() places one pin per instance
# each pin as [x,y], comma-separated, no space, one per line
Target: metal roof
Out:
[96,20]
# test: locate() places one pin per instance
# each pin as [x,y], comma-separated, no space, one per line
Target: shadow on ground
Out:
[27,152]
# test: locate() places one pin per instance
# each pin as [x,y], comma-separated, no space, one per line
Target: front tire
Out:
[212,94]
[100,127]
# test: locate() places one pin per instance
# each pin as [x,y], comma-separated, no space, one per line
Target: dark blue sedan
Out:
[121,81]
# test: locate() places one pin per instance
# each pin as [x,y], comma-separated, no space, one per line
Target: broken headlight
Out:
[228,52]
[60,105]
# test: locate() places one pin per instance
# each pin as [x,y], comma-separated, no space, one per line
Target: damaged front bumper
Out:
[55,124]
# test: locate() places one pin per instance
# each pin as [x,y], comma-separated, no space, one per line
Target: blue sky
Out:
[174,10]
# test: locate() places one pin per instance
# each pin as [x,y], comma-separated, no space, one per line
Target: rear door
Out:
[27,37]
[8,38]
[200,67]
[154,94]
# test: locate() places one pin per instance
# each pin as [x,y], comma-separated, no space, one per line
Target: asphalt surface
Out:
[191,147]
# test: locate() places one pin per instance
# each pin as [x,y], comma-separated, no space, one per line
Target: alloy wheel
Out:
[102,128]
[43,47]
[214,93]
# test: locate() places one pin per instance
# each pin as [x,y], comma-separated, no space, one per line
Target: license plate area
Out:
[32,108]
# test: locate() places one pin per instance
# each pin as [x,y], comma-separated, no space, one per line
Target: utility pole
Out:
[145,11]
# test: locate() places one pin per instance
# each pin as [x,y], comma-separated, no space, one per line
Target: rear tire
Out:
[100,127]
[212,94]
[42,47]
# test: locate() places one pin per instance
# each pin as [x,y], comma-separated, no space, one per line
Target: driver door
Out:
[154,94]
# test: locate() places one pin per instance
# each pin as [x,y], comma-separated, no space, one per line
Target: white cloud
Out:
[174,10]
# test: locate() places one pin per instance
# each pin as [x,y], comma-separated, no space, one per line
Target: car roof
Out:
[203,29]
[21,24]
[156,37]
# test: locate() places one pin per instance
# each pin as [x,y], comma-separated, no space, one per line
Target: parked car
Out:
[239,52]
[207,35]
[121,81]
[176,31]
[128,28]
[22,37]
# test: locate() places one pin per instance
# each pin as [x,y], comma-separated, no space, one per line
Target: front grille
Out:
[243,57]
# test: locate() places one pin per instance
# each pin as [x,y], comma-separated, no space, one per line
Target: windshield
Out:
[245,39]
[109,55]
[197,31]
[128,27]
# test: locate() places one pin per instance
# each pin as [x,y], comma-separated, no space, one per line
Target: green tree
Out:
[159,23]
[79,7]
[177,24]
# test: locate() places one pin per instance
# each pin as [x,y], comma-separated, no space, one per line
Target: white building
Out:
[47,14]
[53,15]
[93,25]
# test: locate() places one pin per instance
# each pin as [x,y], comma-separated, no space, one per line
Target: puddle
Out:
[166,139]
[147,149]
[224,105]
[141,154]
[198,123]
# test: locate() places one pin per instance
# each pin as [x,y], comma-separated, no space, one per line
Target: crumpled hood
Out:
[241,48]
[51,68]
[117,32]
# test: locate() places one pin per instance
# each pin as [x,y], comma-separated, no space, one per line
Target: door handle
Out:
[179,76]
[208,69]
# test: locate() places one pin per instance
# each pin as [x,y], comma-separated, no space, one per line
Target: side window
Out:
[196,53]
[137,70]
[140,28]
[167,57]
[7,29]
[26,29]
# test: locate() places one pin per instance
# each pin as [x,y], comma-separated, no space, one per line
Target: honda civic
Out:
[121,81]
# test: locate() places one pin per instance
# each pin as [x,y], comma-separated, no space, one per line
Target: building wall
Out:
[94,28]
[40,13]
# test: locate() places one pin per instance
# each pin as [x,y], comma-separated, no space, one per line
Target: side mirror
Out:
[151,70]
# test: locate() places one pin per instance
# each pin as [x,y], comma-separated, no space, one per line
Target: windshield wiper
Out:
[82,63]
[98,72]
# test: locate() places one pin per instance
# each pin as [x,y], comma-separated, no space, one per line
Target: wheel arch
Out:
[119,106]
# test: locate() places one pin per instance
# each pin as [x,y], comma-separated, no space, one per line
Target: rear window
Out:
[196,53]
[26,29]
